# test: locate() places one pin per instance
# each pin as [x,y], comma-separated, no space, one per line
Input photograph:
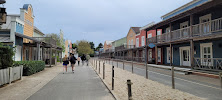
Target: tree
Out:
[84,48]
[99,46]
[56,37]
[92,45]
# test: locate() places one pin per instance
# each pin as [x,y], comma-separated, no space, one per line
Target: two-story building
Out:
[191,35]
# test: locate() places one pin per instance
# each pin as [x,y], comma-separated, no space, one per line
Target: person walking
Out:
[73,62]
[87,59]
[78,59]
[65,63]
[83,58]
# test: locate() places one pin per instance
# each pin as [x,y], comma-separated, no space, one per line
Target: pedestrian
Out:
[72,61]
[83,58]
[87,59]
[65,63]
[78,59]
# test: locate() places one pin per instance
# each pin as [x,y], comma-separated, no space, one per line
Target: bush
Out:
[30,67]
[6,56]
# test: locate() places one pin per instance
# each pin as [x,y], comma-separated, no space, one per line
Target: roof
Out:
[136,29]
[35,28]
[147,26]
[108,42]
[188,6]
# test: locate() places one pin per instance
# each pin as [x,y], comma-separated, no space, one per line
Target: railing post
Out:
[112,77]
[129,83]
[123,65]
[103,70]
[220,76]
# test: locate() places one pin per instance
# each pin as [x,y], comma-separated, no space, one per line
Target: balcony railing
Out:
[208,63]
[198,30]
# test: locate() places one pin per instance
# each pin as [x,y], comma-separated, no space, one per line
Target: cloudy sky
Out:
[94,20]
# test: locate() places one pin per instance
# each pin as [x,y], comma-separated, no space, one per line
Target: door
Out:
[206,54]
[168,55]
[185,56]
[150,55]
[205,24]
[184,29]
[159,55]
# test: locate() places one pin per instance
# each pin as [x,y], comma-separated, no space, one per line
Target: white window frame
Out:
[150,35]
[207,16]
[143,40]
[132,43]
[158,32]
[137,42]
[167,30]
[202,45]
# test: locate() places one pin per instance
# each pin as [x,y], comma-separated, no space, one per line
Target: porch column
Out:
[171,54]
[38,51]
[191,23]
[192,53]
[50,57]
[43,53]
[55,56]
[156,54]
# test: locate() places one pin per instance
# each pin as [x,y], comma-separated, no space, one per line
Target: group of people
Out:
[72,59]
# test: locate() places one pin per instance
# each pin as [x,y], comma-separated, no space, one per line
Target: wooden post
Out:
[156,54]
[132,60]
[192,53]
[191,23]
[99,66]
[50,56]
[171,60]
[146,56]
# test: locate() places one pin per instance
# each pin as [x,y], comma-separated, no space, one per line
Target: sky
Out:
[94,20]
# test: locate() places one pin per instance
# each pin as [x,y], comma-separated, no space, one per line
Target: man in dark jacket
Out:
[73,62]
[83,58]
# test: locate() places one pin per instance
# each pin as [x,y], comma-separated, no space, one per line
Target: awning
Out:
[27,37]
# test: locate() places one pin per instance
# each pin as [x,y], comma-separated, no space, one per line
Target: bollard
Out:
[173,82]
[123,65]
[103,70]
[129,83]
[220,76]
[109,61]
[96,64]
[113,78]
[99,67]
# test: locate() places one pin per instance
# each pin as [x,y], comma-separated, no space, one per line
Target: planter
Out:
[10,74]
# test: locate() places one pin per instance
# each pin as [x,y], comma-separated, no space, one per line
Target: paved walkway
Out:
[84,84]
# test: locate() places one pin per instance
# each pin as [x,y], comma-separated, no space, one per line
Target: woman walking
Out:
[78,59]
[65,63]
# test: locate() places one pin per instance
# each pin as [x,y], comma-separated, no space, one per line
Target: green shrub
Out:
[30,67]
[6,56]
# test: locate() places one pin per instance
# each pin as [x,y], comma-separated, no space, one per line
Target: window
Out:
[167,30]
[206,53]
[137,42]
[158,32]
[205,23]
[150,35]
[132,43]
[143,40]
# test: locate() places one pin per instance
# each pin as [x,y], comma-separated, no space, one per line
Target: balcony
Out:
[198,30]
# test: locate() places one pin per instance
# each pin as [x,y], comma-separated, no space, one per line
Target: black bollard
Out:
[113,78]
[173,82]
[129,83]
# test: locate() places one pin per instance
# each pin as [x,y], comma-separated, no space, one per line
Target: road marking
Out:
[180,79]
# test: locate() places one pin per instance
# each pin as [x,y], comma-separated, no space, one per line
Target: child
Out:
[78,59]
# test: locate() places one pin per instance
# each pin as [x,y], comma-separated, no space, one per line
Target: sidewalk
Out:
[24,88]
[84,84]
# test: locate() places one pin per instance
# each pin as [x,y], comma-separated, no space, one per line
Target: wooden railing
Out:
[198,30]
[208,63]
[152,40]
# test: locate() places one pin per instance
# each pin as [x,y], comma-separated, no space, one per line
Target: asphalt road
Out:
[204,87]
[84,84]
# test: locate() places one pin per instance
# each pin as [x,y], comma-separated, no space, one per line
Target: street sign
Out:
[151,45]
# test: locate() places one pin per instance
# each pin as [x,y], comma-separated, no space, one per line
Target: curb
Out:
[205,74]
[110,91]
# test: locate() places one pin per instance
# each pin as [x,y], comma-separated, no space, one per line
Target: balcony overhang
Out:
[27,37]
